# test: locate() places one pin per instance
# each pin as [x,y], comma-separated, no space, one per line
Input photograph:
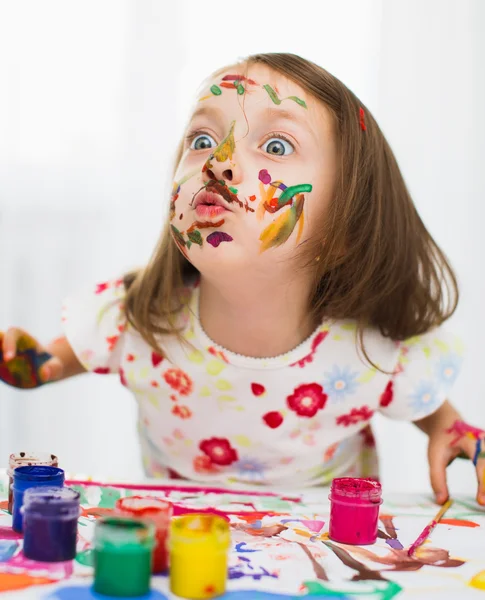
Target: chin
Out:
[226,258]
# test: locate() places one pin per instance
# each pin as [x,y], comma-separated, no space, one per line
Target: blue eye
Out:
[278,147]
[203,142]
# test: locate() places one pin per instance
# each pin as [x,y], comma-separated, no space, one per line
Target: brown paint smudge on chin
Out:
[204,225]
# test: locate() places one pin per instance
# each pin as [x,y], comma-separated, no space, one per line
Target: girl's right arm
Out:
[63,363]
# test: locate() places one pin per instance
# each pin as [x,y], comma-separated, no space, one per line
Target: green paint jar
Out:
[123,551]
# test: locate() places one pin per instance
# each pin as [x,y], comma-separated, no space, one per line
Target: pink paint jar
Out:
[354,511]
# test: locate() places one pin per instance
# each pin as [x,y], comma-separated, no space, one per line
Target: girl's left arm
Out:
[450,437]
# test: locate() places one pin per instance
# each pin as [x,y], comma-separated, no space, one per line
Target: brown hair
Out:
[375,263]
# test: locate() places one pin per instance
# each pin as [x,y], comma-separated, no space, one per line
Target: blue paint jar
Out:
[28,477]
[50,523]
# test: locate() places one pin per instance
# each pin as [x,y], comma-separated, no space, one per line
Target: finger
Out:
[474,449]
[438,460]
[52,370]
[10,342]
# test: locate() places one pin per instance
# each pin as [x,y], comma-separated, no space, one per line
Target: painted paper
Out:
[280,547]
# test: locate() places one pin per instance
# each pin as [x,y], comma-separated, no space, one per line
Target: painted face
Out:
[257,172]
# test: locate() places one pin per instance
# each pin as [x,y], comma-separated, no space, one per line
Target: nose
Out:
[221,164]
[228,171]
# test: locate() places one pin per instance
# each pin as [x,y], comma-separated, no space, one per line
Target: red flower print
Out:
[102,371]
[111,341]
[183,412]
[317,340]
[203,464]
[368,435]
[217,353]
[156,359]
[307,399]
[364,413]
[387,395]
[130,357]
[219,450]
[273,419]
[330,452]
[154,384]
[173,398]
[123,378]
[178,381]
[257,389]
[101,287]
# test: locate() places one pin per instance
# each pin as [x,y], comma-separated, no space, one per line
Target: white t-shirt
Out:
[208,414]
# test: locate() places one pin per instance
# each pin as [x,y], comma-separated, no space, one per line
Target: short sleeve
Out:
[427,367]
[94,324]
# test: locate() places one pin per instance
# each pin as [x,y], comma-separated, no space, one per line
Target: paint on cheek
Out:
[280,230]
[217,237]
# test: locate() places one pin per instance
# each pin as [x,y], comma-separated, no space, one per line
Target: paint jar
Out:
[159,512]
[50,523]
[123,556]
[28,477]
[28,459]
[354,510]
[199,546]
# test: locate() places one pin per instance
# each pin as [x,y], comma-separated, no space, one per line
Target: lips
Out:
[208,204]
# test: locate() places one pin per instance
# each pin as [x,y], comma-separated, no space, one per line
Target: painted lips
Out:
[209,204]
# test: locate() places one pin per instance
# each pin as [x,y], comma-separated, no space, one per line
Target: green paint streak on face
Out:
[216,90]
[240,89]
[275,99]
[233,190]
[195,237]
[177,235]
[292,190]
[226,148]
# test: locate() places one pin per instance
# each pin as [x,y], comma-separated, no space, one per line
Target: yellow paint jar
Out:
[199,547]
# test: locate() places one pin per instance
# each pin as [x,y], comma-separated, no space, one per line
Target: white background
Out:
[93,97]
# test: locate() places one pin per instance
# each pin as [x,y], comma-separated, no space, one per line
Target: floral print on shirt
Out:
[299,419]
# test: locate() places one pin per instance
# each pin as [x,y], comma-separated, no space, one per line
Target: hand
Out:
[16,340]
[458,440]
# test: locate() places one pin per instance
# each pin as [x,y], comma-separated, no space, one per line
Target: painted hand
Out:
[24,363]
[459,440]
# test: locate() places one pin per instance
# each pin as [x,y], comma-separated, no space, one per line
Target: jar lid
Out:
[21,459]
[197,528]
[356,488]
[55,501]
[37,473]
[120,532]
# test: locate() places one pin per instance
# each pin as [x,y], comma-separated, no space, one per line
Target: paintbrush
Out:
[429,528]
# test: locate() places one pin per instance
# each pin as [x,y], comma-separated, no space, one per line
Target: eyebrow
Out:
[208,111]
[280,114]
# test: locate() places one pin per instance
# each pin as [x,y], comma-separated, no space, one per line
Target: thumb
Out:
[438,461]
[52,370]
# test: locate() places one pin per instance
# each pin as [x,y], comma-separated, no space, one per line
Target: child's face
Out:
[257,172]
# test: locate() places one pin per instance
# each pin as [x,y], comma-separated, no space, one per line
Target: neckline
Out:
[251,362]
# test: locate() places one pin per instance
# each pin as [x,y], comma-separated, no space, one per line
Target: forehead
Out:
[261,89]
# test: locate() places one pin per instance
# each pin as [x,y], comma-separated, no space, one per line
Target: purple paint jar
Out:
[50,523]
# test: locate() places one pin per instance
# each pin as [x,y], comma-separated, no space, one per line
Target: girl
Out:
[294,292]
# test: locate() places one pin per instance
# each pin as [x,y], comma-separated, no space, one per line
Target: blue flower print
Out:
[447,369]
[339,383]
[424,397]
[250,468]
